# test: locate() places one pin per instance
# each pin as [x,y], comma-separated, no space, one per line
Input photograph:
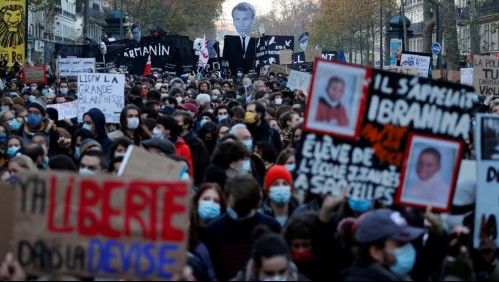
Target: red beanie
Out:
[274,173]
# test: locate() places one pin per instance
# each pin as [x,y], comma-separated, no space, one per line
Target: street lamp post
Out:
[381,34]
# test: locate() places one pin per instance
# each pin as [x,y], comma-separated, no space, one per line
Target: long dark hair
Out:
[139,134]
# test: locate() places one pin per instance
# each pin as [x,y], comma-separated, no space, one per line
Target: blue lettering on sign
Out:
[113,257]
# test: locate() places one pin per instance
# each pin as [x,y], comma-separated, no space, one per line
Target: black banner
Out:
[268,47]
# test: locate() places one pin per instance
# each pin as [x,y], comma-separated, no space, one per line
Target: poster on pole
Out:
[13,31]
[485,75]
[36,74]
[286,57]
[299,81]
[487,204]
[67,110]
[467,76]
[421,61]
[366,130]
[104,91]
[74,66]
[100,226]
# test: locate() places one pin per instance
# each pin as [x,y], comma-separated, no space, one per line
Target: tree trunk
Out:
[451,41]
[428,25]
[474,33]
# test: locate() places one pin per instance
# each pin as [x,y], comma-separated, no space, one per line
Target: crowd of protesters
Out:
[238,138]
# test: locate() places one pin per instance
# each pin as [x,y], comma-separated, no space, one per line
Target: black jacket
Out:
[233,52]
[372,272]
[200,156]
[100,127]
[264,132]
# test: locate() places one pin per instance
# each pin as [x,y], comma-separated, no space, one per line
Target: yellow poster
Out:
[13,17]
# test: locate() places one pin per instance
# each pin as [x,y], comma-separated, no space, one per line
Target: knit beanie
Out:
[38,105]
[87,144]
[274,173]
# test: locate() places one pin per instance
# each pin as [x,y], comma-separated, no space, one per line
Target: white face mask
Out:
[157,133]
[86,172]
[278,101]
[133,123]
[64,91]
[179,100]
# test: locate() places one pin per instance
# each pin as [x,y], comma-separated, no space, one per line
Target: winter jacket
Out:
[184,151]
[200,156]
[100,129]
[249,273]
[264,132]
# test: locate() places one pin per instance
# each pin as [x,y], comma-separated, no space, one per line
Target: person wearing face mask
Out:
[270,261]
[227,161]
[95,122]
[386,251]
[9,120]
[64,88]
[37,155]
[38,122]
[259,126]
[278,188]
[131,126]
[93,163]
[233,230]
[287,122]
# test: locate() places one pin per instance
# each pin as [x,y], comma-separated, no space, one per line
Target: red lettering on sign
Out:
[53,203]
[107,209]
[170,233]
[136,202]
[88,223]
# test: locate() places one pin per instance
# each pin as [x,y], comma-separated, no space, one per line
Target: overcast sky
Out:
[262,6]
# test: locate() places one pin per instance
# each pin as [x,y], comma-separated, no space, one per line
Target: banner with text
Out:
[36,74]
[299,80]
[421,61]
[66,110]
[366,131]
[105,92]
[100,226]
[74,66]
[13,33]
[486,75]
[268,48]
[466,76]
[487,206]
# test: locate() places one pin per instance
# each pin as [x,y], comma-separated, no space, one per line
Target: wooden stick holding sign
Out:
[134,229]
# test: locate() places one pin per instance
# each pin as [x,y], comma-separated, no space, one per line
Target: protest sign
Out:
[102,226]
[466,76]
[268,49]
[486,75]
[402,70]
[36,74]
[138,162]
[312,54]
[285,57]
[487,206]
[299,80]
[421,61]
[74,66]
[438,74]
[279,69]
[453,76]
[105,92]
[6,217]
[369,130]
[66,110]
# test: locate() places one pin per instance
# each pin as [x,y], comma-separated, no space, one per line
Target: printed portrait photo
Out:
[430,173]
[490,138]
[336,99]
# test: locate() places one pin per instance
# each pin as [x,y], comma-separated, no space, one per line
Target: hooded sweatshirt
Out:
[100,129]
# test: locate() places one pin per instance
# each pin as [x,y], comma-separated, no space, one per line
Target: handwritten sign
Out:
[285,57]
[7,192]
[368,139]
[66,110]
[299,80]
[402,70]
[100,226]
[417,60]
[467,76]
[102,91]
[279,69]
[74,66]
[486,75]
[36,74]
[312,54]
[138,162]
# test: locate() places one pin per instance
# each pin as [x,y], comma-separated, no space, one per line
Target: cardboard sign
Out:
[66,110]
[466,76]
[285,57]
[486,75]
[100,226]
[487,206]
[299,80]
[36,74]
[6,217]
[138,162]
[312,54]
[279,69]
[438,74]
[402,70]
[370,138]
[420,61]
[103,91]
[74,66]
[453,76]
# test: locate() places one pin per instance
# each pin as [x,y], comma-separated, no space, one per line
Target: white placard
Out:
[299,80]
[104,91]
[74,66]
[467,76]
[66,110]
[421,62]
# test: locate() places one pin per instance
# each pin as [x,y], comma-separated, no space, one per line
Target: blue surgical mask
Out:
[86,172]
[3,137]
[214,97]
[248,144]
[34,120]
[233,214]
[246,167]
[12,151]
[77,153]
[290,167]
[221,118]
[359,206]
[203,122]
[87,127]
[238,97]
[45,92]
[280,195]
[13,124]
[208,210]
[32,98]
[405,259]
[475,99]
